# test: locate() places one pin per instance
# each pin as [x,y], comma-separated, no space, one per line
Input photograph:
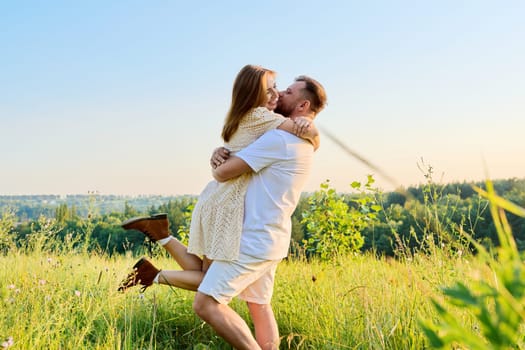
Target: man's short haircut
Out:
[313,92]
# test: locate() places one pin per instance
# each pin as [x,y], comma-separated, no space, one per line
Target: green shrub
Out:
[333,228]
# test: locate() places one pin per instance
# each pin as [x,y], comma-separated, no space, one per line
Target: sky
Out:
[129,97]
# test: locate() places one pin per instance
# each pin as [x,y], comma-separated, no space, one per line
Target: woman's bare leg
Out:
[179,252]
[189,279]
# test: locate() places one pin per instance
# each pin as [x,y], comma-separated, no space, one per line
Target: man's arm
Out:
[230,168]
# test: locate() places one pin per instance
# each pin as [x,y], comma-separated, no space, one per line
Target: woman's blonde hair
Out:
[249,91]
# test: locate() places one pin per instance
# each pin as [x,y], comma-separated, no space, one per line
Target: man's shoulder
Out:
[276,140]
[285,137]
[282,134]
[272,135]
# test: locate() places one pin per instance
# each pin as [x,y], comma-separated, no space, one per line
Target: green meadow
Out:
[357,302]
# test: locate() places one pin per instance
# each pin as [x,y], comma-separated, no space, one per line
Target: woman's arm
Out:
[304,128]
[219,156]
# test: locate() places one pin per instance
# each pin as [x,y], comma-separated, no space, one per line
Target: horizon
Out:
[94,193]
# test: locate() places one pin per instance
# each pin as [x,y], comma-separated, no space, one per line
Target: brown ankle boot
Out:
[143,273]
[155,227]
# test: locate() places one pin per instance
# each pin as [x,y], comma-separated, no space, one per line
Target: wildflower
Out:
[8,343]
[11,286]
[77,293]
[42,282]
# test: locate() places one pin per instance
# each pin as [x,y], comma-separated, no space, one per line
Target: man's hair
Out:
[249,91]
[313,92]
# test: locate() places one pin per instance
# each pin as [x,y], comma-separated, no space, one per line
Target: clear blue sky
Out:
[128,97]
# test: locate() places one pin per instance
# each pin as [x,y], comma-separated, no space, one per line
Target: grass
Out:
[357,302]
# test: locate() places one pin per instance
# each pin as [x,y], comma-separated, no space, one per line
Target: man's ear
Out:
[304,106]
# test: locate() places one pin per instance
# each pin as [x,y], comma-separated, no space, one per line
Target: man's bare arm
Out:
[230,168]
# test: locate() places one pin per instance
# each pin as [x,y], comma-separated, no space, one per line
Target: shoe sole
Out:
[139,263]
[131,221]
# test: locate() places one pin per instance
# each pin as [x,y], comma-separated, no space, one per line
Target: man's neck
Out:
[310,115]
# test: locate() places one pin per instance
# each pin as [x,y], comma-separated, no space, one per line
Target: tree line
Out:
[325,222]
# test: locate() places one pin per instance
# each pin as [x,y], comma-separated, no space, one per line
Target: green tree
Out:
[129,210]
[7,223]
[63,213]
[179,214]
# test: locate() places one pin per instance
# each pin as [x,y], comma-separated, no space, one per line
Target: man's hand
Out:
[219,156]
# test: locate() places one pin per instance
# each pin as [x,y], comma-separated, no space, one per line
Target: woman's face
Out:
[271,92]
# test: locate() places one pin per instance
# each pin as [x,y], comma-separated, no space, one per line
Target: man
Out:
[281,163]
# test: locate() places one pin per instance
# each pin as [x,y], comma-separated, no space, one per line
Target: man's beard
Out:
[280,109]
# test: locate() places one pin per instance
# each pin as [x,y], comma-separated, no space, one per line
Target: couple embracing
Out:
[241,224]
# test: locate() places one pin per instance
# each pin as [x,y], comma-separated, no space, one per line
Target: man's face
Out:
[290,98]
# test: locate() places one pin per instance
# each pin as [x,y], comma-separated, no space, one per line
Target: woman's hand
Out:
[301,125]
[219,156]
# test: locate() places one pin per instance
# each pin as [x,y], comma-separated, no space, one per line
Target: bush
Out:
[333,227]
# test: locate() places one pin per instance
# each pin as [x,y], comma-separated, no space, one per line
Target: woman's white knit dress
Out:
[216,223]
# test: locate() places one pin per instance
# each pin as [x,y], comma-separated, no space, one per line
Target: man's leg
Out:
[226,322]
[266,330]
[249,277]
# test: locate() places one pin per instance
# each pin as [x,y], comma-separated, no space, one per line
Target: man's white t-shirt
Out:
[281,163]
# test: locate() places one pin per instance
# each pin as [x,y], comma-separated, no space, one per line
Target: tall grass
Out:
[497,302]
[360,302]
[71,301]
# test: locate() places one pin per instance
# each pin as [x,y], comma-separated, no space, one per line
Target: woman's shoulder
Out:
[263,113]
[260,111]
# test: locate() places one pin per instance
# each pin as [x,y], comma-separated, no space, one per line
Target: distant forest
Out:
[408,216]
